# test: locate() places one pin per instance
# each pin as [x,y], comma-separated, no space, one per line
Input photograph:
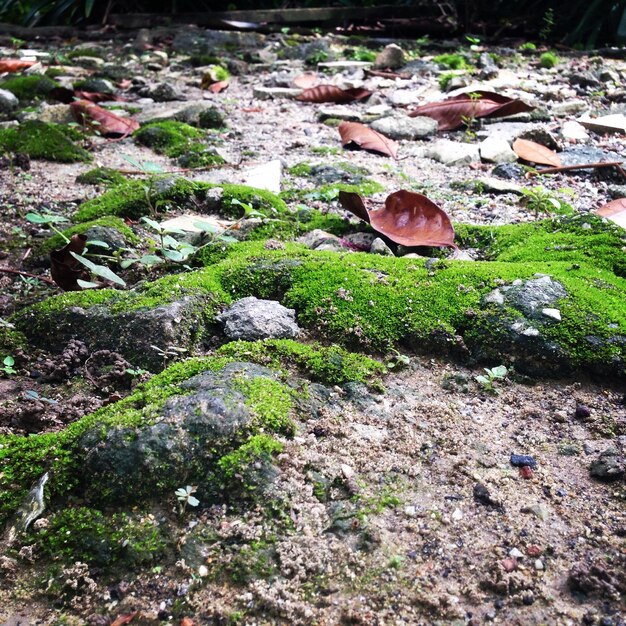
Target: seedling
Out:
[7,366]
[495,373]
[49,219]
[398,361]
[186,498]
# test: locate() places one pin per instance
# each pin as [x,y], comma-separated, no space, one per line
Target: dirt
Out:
[425,519]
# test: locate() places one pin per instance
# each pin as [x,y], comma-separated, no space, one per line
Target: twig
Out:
[583,166]
[11,270]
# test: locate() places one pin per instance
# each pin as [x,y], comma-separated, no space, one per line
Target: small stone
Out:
[495,185]
[457,515]
[539,564]
[405,127]
[519,460]
[347,471]
[203,571]
[609,466]
[339,112]
[274,93]
[526,472]
[534,551]
[495,149]
[509,565]
[8,101]
[452,153]
[573,131]
[510,171]
[380,247]
[555,314]
[164,92]
[538,510]
[92,63]
[529,599]
[516,554]
[582,412]
[484,497]
[562,109]
[391,56]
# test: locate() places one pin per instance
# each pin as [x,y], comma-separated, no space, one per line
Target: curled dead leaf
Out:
[332,93]
[454,112]
[615,211]
[64,268]
[408,218]
[124,619]
[105,122]
[367,139]
[534,152]
[14,65]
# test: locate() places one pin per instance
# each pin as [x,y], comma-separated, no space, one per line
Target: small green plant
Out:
[495,373]
[48,219]
[548,60]
[444,80]
[474,41]
[528,46]
[186,498]
[360,54]
[470,120]
[398,361]
[451,61]
[539,200]
[7,366]
[548,24]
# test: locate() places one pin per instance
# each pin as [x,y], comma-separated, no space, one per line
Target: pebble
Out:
[538,510]
[519,460]
[516,554]
[539,564]
[582,412]
[526,472]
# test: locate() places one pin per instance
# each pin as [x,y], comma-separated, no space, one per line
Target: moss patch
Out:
[29,87]
[42,141]
[101,176]
[133,198]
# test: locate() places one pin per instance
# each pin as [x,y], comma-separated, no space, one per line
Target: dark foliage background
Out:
[585,23]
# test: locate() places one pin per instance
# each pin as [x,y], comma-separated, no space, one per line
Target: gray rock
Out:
[495,149]
[569,107]
[495,185]
[101,85]
[339,112]
[274,93]
[457,82]
[405,127]
[194,41]
[317,237]
[92,63]
[391,56]
[403,97]
[609,466]
[453,152]
[509,171]
[177,444]
[531,296]
[574,131]
[380,247]
[610,76]
[617,191]
[578,155]
[584,80]
[51,114]
[8,101]
[488,66]
[111,236]
[250,319]
[163,92]
[540,135]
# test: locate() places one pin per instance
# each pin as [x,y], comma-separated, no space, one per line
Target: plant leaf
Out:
[99,270]
[615,211]
[193,501]
[367,139]
[45,218]
[408,218]
[107,123]
[332,93]
[64,269]
[450,113]
[86,284]
[124,619]
[534,152]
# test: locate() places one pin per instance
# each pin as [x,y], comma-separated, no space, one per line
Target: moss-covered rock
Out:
[29,88]
[42,141]
[94,230]
[135,198]
[101,176]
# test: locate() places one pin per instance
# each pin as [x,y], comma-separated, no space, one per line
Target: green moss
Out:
[90,536]
[101,176]
[452,61]
[259,448]
[169,138]
[133,198]
[270,402]
[11,340]
[199,155]
[42,141]
[29,87]
[331,365]
[330,192]
[56,241]
[548,60]
[444,80]
[301,169]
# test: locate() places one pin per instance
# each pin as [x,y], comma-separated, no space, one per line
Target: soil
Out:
[426,519]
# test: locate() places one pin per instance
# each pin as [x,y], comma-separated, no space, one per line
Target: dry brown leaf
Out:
[106,123]
[186,621]
[124,619]
[218,86]
[367,139]
[615,211]
[331,93]
[534,152]
[408,218]
[64,268]
[14,65]
[454,112]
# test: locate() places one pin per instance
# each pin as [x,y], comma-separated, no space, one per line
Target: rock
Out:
[316,237]
[540,135]
[92,63]
[538,510]
[190,430]
[610,76]
[51,114]
[554,314]
[609,466]
[495,185]
[111,236]
[391,57]
[509,171]
[569,107]
[8,101]
[101,85]
[495,149]
[403,97]
[339,112]
[483,496]
[250,319]
[577,155]
[266,176]
[488,66]
[617,191]
[163,92]
[573,131]
[405,127]
[380,247]
[274,93]
[457,82]
[520,460]
[452,153]
[584,80]
[597,579]
[347,66]
[531,296]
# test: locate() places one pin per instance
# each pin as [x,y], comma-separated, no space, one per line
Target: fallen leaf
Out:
[408,218]
[124,619]
[331,93]
[218,86]
[186,621]
[366,138]
[106,123]
[64,268]
[306,80]
[453,112]
[14,65]
[535,153]
[615,211]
